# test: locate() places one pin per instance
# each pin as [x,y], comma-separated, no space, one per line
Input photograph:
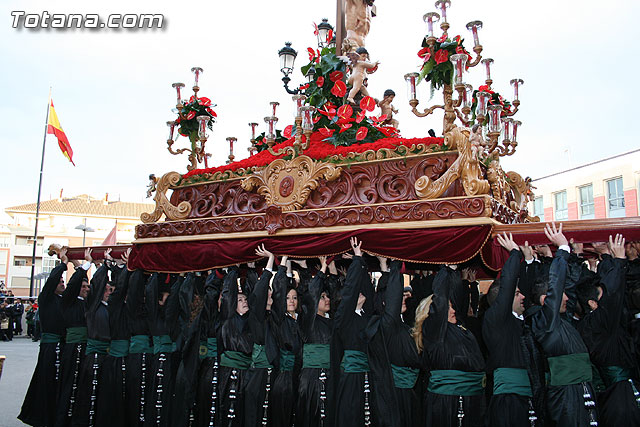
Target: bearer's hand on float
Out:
[355,245]
[544,250]
[527,251]
[578,248]
[616,246]
[383,263]
[507,242]
[554,234]
[323,264]
[601,248]
[262,252]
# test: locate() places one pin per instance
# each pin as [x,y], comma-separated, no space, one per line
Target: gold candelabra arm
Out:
[175,152]
[414,103]
[462,118]
[477,50]
[492,143]
[516,104]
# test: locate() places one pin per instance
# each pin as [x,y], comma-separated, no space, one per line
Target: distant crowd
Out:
[12,311]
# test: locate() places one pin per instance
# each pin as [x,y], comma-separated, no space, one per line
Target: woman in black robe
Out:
[112,405]
[610,345]
[73,352]
[139,359]
[39,406]
[312,409]
[264,352]
[354,401]
[99,336]
[288,340]
[235,352]
[455,391]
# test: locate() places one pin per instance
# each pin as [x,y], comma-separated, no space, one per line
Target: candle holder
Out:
[443,5]
[252,148]
[196,72]
[179,103]
[487,66]
[231,141]
[430,18]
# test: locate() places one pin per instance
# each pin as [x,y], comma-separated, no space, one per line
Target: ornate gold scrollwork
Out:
[522,191]
[288,183]
[466,167]
[163,205]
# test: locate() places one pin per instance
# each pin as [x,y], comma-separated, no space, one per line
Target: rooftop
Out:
[85,205]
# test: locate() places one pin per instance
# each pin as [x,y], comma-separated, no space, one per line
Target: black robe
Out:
[352,405]
[207,395]
[89,386]
[73,353]
[503,332]
[259,325]
[557,336]
[39,406]
[610,345]
[112,405]
[314,397]
[450,347]
[234,336]
[395,347]
[287,336]
[138,372]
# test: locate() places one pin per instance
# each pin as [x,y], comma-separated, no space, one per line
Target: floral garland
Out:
[496,99]
[319,149]
[187,118]
[436,67]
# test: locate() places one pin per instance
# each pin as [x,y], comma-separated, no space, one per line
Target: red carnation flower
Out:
[442,56]
[336,75]
[339,89]
[320,81]
[362,133]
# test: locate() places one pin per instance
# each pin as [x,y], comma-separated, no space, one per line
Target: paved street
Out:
[22,355]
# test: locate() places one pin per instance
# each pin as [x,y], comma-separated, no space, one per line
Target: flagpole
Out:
[35,237]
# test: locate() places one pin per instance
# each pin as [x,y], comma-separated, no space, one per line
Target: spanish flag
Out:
[53,127]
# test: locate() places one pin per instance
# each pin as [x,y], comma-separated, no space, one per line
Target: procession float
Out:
[341,168]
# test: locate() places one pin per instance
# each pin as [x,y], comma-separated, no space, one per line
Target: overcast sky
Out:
[112,88]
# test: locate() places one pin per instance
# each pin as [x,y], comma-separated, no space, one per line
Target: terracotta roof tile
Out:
[86,205]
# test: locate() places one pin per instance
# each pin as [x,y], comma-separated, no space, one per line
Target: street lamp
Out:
[287,59]
[84,229]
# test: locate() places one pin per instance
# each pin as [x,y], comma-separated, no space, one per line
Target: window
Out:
[17,262]
[587,210]
[562,212]
[48,263]
[538,208]
[615,195]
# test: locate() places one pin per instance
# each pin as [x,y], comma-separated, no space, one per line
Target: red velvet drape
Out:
[452,245]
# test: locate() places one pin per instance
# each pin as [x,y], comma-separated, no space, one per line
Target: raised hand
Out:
[261,251]
[555,235]
[577,247]
[527,251]
[63,255]
[107,255]
[323,264]
[616,246]
[355,245]
[600,248]
[125,256]
[507,242]
[383,263]
[543,250]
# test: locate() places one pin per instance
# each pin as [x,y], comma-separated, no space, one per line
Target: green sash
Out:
[235,359]
[570,369]
[97,346]
[259,357]
[140,344]
[163,344]
[354,361]
[208,348]
[119,348]
[614,374]
[404,377]
[511,381]
[287,360]
[49,338]
[456,383]
[316,356]
[76,334]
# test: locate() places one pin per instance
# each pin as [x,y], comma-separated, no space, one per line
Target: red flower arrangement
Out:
[318,150]
[188,124]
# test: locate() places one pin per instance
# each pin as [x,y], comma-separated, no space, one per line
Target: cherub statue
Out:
[476,141]
[151,188]
[359,62]
[387,108]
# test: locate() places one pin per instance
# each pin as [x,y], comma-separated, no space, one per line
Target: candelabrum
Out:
[499,129]
[303,126]
[231,141]
[252,148]
[198,139]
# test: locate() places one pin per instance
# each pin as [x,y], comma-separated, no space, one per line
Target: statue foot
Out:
[351,100]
